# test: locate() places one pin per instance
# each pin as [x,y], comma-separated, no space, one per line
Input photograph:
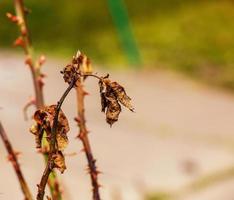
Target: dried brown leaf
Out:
[59,161]
[121,95]
[112,94]
[113,109]
[104,103]
[62,141]
[44,118]
[70,72]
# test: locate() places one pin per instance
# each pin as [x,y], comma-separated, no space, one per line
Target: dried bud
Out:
[86,66]
[79,67]
[69,73]
[59,161]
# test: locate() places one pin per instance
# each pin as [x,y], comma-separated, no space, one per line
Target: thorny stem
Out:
[52,152]
[83,136]
[15,163]
[28,49]
[36,76]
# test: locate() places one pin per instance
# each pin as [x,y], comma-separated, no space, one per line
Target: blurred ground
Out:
[180,140]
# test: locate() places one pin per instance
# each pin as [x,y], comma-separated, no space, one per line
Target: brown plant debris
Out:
[79,67]
[44,122]
[59,161]
[112,95]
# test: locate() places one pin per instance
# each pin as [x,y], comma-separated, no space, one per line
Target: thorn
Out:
[82,150]
[17,153]
[77,119]
[19,42]
[28,61]
[107,76]
[42,75]
[10,157]
[85,93]
[41,81]
[12,17]
[27,10]
[99,172]
[81,135]
[42,60]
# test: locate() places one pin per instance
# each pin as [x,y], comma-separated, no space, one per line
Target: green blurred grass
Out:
[194,37]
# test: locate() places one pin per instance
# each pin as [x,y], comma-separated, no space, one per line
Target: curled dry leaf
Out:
[80,66]
[69,73]
[59,161]
[121,95]
[113,110]
[112,94]
[44,121]
[104,101]
[85,63]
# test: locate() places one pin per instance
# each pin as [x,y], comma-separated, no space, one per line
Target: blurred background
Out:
[174,58]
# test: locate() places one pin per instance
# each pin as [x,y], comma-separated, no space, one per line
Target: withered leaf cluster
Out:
[79,67]
[112,95]
[44,119]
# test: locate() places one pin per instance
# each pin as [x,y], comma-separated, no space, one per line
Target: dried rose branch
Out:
[83,136]
[111,94]
[54,146]
[51,119]
[81,68]
[24,41]
[13,158]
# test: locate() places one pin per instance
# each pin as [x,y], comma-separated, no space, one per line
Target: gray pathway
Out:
[181,132]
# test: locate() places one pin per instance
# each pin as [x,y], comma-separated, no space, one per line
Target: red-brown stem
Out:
[35,71]
[36,76]
[15,163]
[50,164]
[83,136]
